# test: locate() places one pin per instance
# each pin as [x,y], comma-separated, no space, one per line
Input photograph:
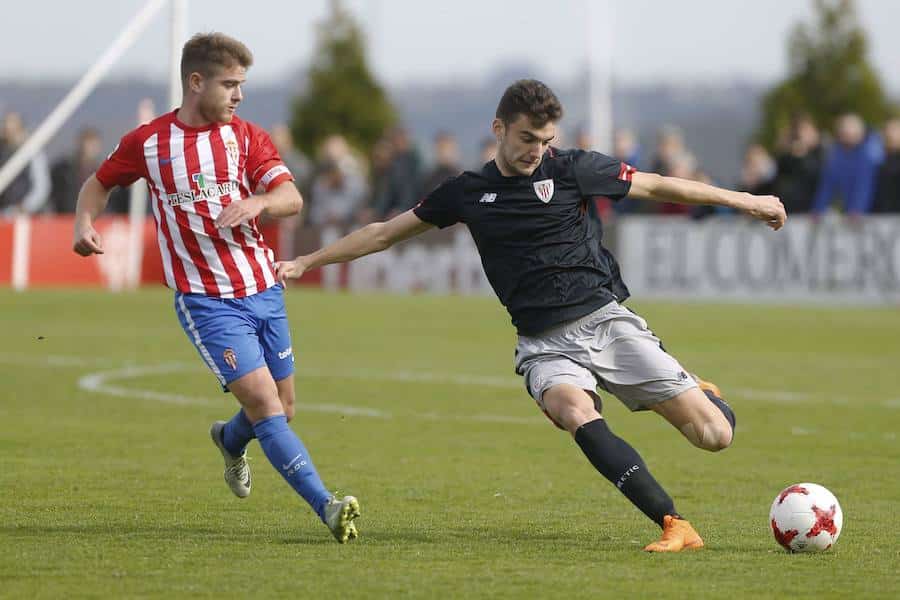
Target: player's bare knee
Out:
[569,417]
[723,433]
[572,415]
[726,437]
[713,435]
[287,403]
[260,406]
[719,438]
[286,396]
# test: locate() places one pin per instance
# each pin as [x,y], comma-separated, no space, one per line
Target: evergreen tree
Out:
[342,96]
[829,74]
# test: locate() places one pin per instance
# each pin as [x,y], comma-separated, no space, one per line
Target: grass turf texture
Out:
[466,490]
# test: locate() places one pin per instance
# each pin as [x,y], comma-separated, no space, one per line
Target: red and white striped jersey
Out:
[192,174]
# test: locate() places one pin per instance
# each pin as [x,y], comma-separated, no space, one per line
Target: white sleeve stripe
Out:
[195,335]
[272,173]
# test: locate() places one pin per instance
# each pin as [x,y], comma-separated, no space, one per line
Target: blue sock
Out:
[237,433]
[289,457]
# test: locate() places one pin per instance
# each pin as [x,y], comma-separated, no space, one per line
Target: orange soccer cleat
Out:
[677,535]
[707,386]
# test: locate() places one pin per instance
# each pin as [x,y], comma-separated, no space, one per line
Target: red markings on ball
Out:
[794,489]
[784,537]
[824,522]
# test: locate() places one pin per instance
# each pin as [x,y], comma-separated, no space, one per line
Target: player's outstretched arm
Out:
[281,201]
[92,199]
[374,237]
[650,186]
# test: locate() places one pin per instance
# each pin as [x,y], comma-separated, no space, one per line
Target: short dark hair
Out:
[205,53]
[531,98]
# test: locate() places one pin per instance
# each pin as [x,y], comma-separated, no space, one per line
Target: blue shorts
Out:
[236,336]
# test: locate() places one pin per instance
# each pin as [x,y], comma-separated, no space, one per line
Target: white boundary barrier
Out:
[830,261]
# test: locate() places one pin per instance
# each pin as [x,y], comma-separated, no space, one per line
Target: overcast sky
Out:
[437,40]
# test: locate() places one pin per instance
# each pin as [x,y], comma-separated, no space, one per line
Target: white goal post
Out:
[88,82]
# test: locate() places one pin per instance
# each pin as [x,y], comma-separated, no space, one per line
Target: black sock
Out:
[622,465]
[723,406]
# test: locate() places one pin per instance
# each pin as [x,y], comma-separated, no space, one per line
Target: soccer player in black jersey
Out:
[544,260]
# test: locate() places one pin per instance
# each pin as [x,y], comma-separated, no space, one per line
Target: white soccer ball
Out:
[806,517]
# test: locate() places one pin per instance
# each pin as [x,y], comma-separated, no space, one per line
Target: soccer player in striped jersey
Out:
[202,165]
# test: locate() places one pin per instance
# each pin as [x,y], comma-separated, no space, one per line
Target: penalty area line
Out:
[128,370]
[104,382]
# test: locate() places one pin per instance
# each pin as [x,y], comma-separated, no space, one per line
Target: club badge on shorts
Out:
[544,190]
[230,358]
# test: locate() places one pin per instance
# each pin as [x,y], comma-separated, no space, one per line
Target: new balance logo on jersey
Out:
[487,198]
[204,191]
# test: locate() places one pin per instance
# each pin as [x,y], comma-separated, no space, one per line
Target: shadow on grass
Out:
[520,536]
[105,529]
[368,537]
[517,539]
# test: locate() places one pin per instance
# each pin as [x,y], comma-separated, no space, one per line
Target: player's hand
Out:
[767,209]
[239,212]
[87,240]
[290,269]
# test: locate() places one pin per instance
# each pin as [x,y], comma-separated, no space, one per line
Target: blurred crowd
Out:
[853,169]
[342,187]
[45,187]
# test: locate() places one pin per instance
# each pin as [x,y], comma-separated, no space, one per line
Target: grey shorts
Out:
[611,349]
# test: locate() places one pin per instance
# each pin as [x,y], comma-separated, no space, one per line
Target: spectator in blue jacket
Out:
[850,169]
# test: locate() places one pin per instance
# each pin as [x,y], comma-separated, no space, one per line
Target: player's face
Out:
[221,94]
[521,145]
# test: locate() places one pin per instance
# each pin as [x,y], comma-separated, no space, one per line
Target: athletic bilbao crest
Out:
[544,190]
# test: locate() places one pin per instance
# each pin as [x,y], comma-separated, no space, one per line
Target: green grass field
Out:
[410,403]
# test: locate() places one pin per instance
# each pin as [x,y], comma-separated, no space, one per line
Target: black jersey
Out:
[541,254]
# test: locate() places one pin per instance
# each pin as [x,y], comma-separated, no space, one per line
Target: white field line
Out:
[370,374]
[779,396]
[129,370]
[102,382]
[78,362]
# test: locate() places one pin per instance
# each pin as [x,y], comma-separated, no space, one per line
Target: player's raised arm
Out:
[650,186]
[92,199]
[374,237]
[267,172]
[281,201]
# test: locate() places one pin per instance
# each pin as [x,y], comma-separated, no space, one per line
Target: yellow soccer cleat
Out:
[339,516]
[237,470]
